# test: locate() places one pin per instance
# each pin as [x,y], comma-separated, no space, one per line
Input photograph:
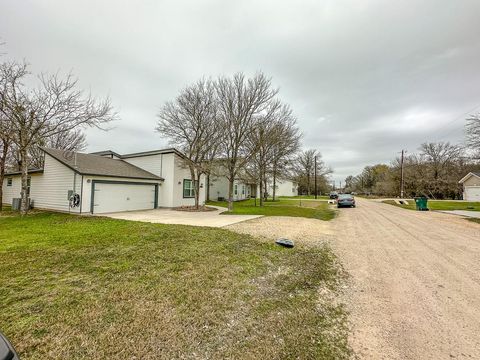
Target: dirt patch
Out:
[301,230]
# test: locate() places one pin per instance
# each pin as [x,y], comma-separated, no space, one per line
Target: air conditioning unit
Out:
[17,204]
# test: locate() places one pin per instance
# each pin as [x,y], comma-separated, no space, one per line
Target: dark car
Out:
[333,195]
[345,200]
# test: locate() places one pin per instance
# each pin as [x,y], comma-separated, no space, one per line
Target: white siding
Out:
[283,188]
[10,192]
[170,167]
[219,188]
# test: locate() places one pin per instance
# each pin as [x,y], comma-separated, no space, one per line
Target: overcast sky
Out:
[365,78]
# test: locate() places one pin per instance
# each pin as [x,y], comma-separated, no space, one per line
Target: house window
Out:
[29,181]
[188,188]
[9,182]
[243,189]
[235,189]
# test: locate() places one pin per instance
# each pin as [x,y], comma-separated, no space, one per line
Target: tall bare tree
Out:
[5,152]
[190,123]
[473,134]
[241,103]
[305,168]
[55,106]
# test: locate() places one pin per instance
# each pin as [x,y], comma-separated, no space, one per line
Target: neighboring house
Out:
[471,186]
[107,182]
[283,187]
[241,189]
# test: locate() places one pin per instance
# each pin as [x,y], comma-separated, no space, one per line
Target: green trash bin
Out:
[421,203]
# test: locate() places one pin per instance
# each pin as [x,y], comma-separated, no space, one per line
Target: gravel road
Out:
[415,282]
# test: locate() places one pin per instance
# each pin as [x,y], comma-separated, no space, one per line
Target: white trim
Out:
[468,176]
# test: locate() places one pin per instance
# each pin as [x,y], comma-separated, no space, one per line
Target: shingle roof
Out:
[88,164]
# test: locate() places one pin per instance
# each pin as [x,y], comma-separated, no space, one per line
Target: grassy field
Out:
[309,209]
[96,288]
[441,205]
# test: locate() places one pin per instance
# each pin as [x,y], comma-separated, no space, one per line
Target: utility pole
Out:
[401,175]
[315,173]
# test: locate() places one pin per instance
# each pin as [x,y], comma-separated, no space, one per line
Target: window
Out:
[9,182]
[235,189]
[29,181]
[188,188]
[243,189]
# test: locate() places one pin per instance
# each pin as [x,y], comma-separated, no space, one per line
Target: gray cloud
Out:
[365,78]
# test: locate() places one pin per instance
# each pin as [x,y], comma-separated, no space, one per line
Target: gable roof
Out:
[106,152]
[468,176]
[88,164]
[153,152]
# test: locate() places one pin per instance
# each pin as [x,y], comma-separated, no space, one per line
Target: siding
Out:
[472,181]
[219,188]
[283,188]
[10,192]
[50,190]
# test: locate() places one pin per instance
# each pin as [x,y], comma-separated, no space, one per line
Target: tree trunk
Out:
[2,170]
[274,183]
[265,185]
[207,189]
[196,185]
[261,191]
[230,192]
[24,171]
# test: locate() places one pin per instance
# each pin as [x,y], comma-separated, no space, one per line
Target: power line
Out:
[459,117]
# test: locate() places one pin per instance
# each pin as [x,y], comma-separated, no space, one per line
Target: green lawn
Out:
[96,288]
[319,197]
[441,205]
[298,208]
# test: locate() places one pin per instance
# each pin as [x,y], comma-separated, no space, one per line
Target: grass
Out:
[319,197]
[97,288]
[308,209]
[440,205]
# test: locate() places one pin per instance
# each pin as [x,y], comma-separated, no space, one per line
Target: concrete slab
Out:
[472,214]
[170,216]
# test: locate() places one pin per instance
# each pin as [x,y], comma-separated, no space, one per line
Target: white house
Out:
[283,187]
[243,190]
[471,186]
[107,182]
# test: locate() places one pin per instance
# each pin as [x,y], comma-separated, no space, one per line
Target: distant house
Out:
[243,189]
[106,182]
[471,186]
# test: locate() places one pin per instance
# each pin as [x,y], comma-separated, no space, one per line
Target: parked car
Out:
[333,195]
[345,200]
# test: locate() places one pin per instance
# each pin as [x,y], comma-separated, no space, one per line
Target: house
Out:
[106,182]
[248,189]
[283,187]
[471,186]
[241,189]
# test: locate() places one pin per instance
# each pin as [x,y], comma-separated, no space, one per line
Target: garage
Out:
[116,196]
[472,193]
[471,186]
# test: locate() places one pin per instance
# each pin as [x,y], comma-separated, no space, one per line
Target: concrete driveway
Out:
[466,213]
[169,216]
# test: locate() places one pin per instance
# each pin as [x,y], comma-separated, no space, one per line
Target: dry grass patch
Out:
[97,288]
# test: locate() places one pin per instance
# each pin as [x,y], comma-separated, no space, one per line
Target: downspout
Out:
[81,195]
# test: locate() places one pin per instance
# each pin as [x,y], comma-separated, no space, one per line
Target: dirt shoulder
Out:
[415,282]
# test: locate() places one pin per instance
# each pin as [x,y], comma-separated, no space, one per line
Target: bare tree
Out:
[189,122]
[5,152]
[473,133]
[73,140]
[285,148]
[55,106]
[305,168]
[241,104]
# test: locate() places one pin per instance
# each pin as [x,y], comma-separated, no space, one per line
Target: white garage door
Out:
[472,193]
[114,197]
